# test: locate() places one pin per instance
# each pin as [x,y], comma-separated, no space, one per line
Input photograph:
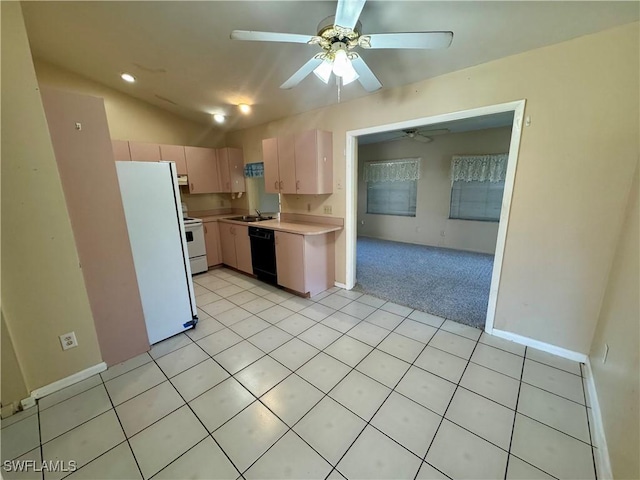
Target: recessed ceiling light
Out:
[244,108]
[219,118]
[127,77]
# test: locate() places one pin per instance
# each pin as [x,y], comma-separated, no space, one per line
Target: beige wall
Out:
[132,119]
[43,292]
[574,170]
[433,193]
[128,117]
[12,384]
[619,327]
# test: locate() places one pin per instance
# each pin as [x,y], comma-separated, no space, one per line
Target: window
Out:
[392,186]
[477,186]
[392,198]
[476,200]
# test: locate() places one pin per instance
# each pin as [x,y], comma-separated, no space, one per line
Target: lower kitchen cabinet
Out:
[305,263]
[236,246]
[212,243]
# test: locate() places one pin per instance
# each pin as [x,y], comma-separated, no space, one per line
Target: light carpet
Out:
[453,284]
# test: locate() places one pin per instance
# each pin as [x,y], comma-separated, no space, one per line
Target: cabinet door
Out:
[290,260]
[212,243]
[144,152]
[121,150]
[228,244]
[223,166]
[287,164]
[236,170]
[243,248]
[314,162]
[270,159]
[202,168]
[174,153]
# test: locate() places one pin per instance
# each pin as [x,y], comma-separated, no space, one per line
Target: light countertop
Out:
[301,228]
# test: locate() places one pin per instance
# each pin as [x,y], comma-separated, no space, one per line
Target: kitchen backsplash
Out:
[206,201]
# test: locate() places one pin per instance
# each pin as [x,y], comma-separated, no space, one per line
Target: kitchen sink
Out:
[250,218]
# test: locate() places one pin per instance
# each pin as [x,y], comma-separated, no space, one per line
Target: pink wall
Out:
[89,180]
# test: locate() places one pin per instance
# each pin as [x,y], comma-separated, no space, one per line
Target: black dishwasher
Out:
[263,254]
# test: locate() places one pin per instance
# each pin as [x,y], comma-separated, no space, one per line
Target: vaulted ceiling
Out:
[186,63]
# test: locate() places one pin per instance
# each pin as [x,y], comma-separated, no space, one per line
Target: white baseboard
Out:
[67,381]
[601,452]
[545,347]
[341,285]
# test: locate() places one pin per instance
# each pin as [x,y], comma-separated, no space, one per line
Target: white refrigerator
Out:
[153,213]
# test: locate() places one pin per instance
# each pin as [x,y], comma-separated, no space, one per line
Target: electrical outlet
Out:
[606,352]
[328,209]
[68,340]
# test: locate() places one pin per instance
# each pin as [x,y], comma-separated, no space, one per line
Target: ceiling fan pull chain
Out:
[339,84]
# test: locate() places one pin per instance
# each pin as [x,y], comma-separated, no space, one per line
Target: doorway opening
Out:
[473,119]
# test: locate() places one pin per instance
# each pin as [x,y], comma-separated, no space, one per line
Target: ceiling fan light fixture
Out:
[323,71]
[349,75]
[218,117]
[341,62]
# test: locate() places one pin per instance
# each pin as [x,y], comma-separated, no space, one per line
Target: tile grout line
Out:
[112,448]
[40,439]
[515,416]
[593,455]
[424,459]
[122,428]
[199,420]
[368,422]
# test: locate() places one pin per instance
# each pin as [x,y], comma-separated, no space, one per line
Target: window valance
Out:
[252,170]
[401,169]
[480,168]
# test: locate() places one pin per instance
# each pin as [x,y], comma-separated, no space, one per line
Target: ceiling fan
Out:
[339,36]
[419,135]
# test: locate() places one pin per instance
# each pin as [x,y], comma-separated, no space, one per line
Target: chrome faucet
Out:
[259,213]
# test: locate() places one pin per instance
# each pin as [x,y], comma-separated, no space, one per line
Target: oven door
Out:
[194,234]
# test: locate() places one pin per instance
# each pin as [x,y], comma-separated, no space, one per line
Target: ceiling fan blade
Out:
[430,40]
[366,77]
[422,138]
[438,131]
[269,36]
[348,12]
[302,73]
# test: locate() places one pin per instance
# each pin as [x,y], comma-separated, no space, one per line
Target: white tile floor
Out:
[270,385]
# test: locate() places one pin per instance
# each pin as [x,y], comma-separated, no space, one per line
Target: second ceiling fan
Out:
[339,36]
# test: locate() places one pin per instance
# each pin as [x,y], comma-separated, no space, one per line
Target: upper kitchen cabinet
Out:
[202,169]
[144,152]
[175,153]
[314,162]
[299,164]
[279,164]
[121,150]
[231,163]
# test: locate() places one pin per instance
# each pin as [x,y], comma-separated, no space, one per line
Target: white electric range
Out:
[194,231]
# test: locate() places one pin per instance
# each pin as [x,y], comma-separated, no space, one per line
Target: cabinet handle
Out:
[205,229]
[280,184]
[191,185]
[297,184]
[276,185]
